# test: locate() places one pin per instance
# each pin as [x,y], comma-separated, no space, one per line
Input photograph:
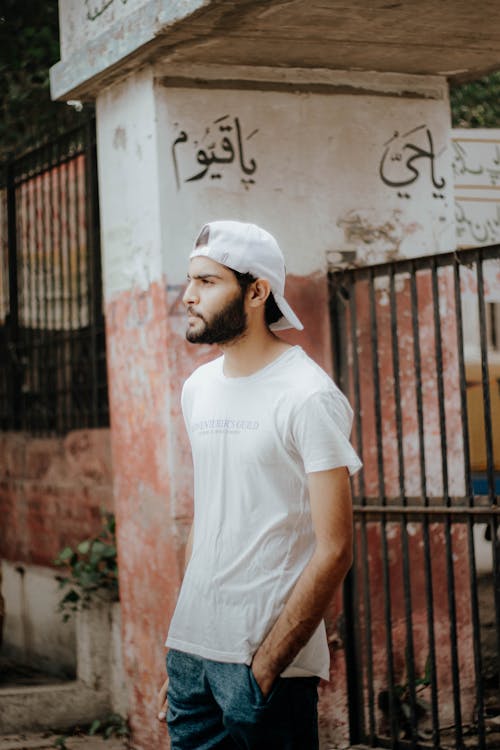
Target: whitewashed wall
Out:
[367,176]
[370,175]
[476,172]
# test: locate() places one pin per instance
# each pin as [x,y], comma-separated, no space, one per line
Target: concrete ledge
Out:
[40,741]
[59,706]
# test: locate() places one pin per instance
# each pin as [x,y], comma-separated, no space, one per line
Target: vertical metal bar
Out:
[73,302]
[12,323]
[353,664]
[429,589]
[410,651]
[80,334]
[31,311]
[345,339]
[488,433]
[376,388]
[338,301]
[59,294]
[52,262]
[61,297]
[36,328]
[447,523]
[68,328]
[365,571]
[45,384]
[476,626]
[76,333]
[23,265]
[393,721]
[94,278]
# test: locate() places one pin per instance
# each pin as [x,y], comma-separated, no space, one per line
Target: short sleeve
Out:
[186,405]
[321,429]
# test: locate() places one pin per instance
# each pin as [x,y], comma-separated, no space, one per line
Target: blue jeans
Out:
[213,705]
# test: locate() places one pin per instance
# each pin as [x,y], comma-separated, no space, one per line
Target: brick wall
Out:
[52,491]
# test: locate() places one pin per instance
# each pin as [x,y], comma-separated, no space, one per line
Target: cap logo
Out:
[224,257]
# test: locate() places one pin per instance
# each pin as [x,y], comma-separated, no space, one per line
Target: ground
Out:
[27,741]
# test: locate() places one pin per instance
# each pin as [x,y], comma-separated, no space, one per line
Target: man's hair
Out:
[272,313]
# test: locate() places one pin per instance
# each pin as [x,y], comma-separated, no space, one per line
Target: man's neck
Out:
[250,353]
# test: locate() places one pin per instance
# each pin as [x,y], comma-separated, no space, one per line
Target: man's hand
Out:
[263,676]
[162,701]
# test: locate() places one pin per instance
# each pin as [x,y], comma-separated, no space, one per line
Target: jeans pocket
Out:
[260,699]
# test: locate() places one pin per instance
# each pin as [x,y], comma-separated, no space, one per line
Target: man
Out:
[271,539]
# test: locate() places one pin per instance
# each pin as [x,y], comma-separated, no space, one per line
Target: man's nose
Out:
[189,297]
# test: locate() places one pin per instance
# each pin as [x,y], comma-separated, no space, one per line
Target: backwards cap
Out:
[247,248]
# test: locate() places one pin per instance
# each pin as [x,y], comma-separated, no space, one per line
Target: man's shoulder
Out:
[204,371]
[310,389]
[306,376]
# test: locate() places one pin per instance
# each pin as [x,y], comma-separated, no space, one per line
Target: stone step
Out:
[48,707]
[45,740]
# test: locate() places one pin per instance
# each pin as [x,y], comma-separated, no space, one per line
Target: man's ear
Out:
[258,292]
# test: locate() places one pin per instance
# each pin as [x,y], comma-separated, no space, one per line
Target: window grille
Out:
[52,340]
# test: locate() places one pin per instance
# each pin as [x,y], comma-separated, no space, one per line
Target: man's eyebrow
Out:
[203,276]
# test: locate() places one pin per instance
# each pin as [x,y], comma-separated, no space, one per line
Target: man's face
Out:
[215,303]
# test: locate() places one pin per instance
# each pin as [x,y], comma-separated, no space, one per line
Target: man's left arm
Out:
[331,510]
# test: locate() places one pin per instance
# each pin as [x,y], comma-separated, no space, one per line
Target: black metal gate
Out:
[417,350]
[52,348]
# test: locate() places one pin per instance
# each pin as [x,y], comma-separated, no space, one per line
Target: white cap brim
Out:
[289,319]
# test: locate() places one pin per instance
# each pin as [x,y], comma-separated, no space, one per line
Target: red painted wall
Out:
[52,491]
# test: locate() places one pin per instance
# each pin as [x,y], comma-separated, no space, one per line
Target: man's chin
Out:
[195,336]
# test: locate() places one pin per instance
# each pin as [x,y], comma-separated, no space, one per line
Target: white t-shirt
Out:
[254,440]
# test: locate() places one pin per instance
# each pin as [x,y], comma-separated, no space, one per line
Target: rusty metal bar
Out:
[410,651]
[422,511]
[393,719]
[364,564]
[476,625]
[429,587]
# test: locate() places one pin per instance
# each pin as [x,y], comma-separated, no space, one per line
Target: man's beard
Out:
[228,324]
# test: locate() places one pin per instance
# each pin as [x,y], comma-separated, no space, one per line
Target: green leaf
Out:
[95,726]
[84,547]
[65,555]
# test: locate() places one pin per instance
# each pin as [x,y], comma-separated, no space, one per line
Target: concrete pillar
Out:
[140,387]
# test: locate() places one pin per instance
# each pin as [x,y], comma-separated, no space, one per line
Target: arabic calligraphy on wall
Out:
[476,170]
[476,161]
[410,157]
[222,148]
[476,226]
[96,8]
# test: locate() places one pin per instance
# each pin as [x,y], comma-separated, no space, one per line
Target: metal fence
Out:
[52,347]
[416,347]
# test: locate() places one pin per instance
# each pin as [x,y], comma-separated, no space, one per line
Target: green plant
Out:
[112,725]
[91,570]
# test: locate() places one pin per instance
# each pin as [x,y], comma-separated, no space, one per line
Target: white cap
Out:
[247,248]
